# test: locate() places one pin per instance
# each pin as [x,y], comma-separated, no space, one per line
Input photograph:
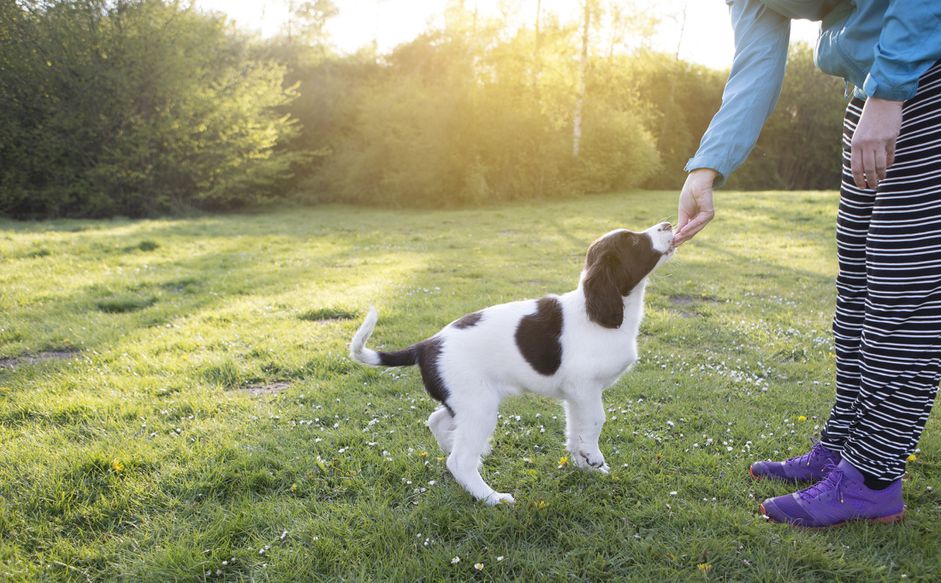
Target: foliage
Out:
[222,428]
[141,107]
[460,118]
[681,98]
[134,107]
[800,147]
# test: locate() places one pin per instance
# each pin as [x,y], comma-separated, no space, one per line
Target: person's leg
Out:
[851,230]
[899,349]
[900,353]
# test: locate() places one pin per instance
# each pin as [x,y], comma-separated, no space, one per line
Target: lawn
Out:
[176,402]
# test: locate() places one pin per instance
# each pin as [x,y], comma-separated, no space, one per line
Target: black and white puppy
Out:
[570,347]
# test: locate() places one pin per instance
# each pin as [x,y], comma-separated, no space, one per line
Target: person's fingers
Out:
[856,166]
[880,163]
[693,227]
[889,154]
[869,168]
[682,218]
[679,239]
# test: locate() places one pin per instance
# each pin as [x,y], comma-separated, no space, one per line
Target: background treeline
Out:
[141,107]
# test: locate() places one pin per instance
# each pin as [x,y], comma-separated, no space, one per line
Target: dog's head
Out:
[616,263]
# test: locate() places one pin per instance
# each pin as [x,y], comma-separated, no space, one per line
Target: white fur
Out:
[358,350]
[481,365]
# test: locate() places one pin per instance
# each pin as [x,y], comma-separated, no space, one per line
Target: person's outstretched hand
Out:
[696,207]
[874,141]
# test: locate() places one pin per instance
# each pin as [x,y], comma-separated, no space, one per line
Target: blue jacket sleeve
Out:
[909,44]
[752,90]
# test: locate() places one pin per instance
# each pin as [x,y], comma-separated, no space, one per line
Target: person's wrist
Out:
[707,175]
[878,101]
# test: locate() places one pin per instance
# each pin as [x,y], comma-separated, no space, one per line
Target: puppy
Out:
[570,347]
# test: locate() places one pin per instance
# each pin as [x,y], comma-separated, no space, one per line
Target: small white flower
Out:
[500,558]
[455,560]
[673,493]
[479,566]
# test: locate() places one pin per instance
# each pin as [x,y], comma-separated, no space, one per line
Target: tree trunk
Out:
[580,83]
[537,63]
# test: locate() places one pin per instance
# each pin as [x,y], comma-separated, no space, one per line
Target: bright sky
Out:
[706,38]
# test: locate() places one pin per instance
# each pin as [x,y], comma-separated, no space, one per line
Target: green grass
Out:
[210,421]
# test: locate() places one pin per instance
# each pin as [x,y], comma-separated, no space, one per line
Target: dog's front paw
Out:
[499,498]
[590,460]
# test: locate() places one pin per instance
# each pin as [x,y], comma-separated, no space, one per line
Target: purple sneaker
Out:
[810,467]
[839,498]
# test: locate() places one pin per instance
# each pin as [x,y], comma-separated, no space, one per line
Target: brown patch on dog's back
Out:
[537,336]
[468,321]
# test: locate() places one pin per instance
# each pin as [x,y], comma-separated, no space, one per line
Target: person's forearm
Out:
[751,92]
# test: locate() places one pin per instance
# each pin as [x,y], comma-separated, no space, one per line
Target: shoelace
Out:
[833,481]
[815,450]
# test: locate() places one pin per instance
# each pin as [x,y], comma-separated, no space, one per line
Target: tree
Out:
[799,147]
[307,21]
[134,107]
[580,80]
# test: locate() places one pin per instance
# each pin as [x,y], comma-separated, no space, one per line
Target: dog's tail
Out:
[360,353]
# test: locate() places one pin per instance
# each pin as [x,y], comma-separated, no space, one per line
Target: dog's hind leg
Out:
[473,425]
[441,423]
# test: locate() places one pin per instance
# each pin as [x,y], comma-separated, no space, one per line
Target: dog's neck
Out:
[633,304]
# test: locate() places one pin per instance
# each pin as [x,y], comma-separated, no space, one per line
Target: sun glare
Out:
[697,30]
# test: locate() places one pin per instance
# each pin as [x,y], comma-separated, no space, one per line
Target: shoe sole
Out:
[890,519]
[760,477]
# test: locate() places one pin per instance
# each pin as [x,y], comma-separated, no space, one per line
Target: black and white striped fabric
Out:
[887,326]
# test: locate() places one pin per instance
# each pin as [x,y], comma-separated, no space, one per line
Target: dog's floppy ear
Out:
[603,300]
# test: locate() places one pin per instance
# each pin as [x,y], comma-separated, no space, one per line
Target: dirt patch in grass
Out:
[267,389]
[327,314]
[679,302]
[41,252]
[12,362]
[124,304]
[682,300]
[145,245]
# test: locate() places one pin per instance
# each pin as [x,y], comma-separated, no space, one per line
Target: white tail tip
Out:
[358,350]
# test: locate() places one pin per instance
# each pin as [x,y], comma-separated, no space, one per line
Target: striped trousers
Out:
[887,326]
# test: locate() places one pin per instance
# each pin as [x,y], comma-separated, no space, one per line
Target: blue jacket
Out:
[881,47]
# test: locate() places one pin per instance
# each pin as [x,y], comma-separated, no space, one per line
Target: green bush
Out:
[144,107]
[134,107]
